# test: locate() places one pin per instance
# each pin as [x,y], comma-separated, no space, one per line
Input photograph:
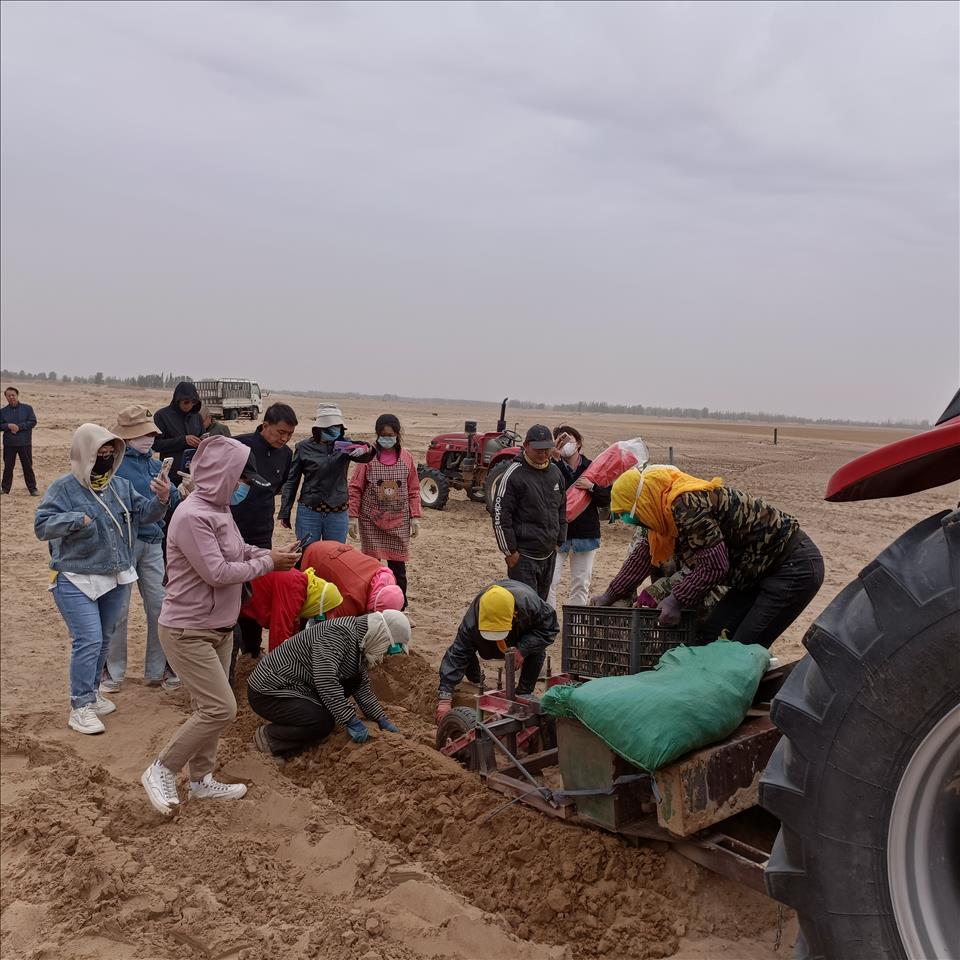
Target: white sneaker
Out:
[85,720]
[210,789]
[103,706]
[161,787]
[171,682]
[109,686]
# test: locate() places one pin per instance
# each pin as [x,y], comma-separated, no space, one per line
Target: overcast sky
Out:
[732,205]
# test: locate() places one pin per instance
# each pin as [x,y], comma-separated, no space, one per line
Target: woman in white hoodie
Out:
[91,518]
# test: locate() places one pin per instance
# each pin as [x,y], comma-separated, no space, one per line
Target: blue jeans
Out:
[90,622]
[148,562]
[322,526]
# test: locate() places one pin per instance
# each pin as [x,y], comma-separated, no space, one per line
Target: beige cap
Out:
[135,421]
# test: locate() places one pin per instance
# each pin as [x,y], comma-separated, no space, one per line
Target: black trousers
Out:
[760,613]
[399,569]
[10,455]
[534,573]
[462,660]
[295,722]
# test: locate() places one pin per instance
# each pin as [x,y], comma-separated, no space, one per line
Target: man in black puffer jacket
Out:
[180,426]
[530,512]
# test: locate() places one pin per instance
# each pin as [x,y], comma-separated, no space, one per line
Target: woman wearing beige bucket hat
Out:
[136,428]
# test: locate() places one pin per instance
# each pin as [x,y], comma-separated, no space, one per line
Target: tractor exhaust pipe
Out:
[502,422]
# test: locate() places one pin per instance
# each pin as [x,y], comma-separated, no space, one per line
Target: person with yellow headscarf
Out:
[507,618]
[724,537]
[282,601]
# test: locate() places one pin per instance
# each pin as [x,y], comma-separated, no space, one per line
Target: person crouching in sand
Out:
[302,686]
[207,564]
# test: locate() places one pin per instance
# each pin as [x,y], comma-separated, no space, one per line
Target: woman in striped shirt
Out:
[302,687]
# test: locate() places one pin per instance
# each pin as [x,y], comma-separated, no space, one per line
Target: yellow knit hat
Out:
[496,613]
[322,596]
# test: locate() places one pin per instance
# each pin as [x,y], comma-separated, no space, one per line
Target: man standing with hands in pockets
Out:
[530,512]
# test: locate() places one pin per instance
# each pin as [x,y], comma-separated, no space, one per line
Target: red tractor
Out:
[467,461]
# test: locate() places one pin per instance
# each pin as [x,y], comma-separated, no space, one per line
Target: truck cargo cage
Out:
[617,641]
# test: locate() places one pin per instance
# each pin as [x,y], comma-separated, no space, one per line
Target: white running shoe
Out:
[171,682]
[109,686]
[85,720]
[103,706]
[161,787]
[210,789]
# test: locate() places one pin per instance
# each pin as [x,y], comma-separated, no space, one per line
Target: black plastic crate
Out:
[616,641]
[597,641]
[651,641]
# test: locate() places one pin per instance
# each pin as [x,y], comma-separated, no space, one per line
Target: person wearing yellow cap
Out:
[507,618]
[720,536]
[282,601]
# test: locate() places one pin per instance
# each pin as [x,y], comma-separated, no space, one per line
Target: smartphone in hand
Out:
[165,467]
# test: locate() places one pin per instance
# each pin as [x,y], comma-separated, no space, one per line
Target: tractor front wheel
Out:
[434,488]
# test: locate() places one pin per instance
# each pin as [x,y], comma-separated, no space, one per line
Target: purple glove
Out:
[645,600]
[600,600]
[669,611]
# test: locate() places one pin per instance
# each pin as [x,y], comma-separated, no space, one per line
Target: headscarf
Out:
[322,596]
[649,495]
[383,631]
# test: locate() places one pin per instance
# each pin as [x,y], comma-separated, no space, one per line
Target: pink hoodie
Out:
[207,560]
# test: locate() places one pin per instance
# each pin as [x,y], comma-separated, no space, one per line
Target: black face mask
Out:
[102,464]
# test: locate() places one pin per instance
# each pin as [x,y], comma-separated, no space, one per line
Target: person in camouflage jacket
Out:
[720,537]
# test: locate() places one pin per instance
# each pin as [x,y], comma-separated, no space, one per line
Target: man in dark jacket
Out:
[254,516]
[18,422]
[180,427]
[505,619]
[530,512]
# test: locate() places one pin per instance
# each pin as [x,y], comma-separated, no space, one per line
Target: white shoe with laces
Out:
[103,706]
[210,789]
[85,720]
[161,787]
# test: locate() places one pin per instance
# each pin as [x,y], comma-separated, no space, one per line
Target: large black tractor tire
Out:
[434,488]
[476,494]
[866,780]
[492,481]
[455,724]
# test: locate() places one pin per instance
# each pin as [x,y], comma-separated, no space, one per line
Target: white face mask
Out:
[568,449]
[142,444]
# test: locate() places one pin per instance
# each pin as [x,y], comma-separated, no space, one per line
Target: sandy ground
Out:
[376,851]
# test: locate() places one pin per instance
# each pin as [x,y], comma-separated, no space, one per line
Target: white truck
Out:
[230,398]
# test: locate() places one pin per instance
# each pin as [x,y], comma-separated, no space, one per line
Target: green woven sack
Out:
[693,697]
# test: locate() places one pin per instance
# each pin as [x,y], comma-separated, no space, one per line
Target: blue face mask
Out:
[240,494]
[627,518]
[387,442]
[330,433]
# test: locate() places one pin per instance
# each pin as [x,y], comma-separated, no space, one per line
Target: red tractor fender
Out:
[916,463]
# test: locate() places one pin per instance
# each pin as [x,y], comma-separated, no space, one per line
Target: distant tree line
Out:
[705,413]
[158,380]
[170,380]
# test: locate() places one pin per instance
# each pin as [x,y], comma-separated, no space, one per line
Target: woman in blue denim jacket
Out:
[92,519]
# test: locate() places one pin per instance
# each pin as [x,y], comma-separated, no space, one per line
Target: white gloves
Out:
[414,527]
[353,532]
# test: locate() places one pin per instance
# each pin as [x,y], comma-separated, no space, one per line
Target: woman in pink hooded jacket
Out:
[207,565]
